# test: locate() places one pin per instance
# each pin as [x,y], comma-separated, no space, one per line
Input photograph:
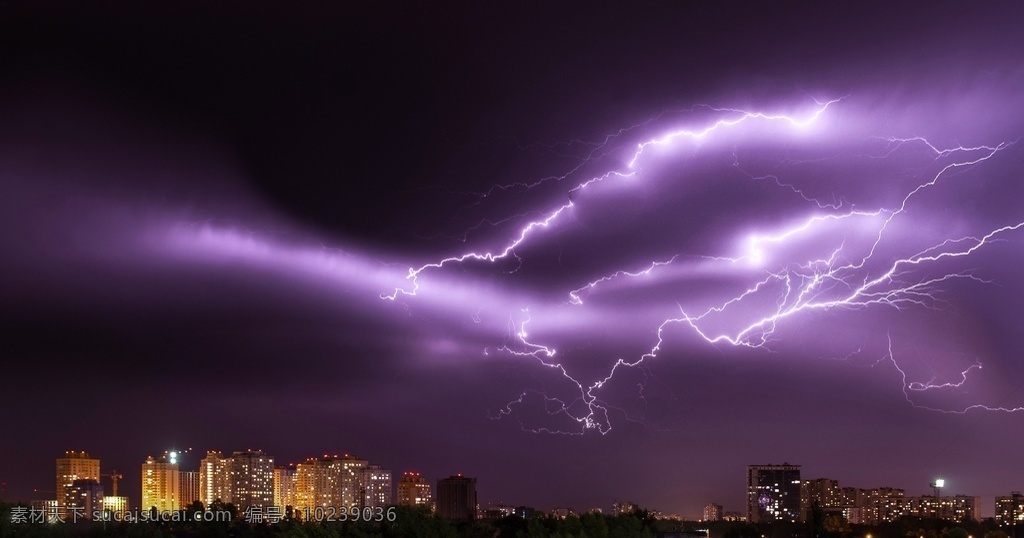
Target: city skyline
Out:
[580,253]
[227,479]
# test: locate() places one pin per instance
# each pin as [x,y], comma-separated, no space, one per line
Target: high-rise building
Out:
[376,485]
[413,490]
[823,493]
[74,466]
[1010,510]
[773,493]
[84,498]
[312,479]
[958,508]
[456,497]
[252,479]
[115,504]
[330,481]
[712,512]
[285,481]
[189,484]
[214,478]
[881,505]
[161,481]
[352,488]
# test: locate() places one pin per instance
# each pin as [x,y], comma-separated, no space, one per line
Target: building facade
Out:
[252,479]
[712,512]
[190,490]
[376,486]
[958,508]
[821,493]
[214,479]
[340,481]
[284,487]
[84,499]
[161,486]
[413,490]
[773,493]
[1010,510]
[456,497]
[75,465]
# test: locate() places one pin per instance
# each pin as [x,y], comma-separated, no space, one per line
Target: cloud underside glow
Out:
[827,228]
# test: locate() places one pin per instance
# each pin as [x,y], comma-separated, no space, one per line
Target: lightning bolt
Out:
[917,386]
[737,117]
[844,279]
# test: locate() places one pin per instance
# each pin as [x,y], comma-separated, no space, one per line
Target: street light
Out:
[938,484]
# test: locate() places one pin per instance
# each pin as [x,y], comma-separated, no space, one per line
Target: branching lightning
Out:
[850,276]
[916,386]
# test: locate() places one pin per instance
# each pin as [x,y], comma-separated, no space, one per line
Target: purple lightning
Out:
[916,386]
[550,217]
[850,276]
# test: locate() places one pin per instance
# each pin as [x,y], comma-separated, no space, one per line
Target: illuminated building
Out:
[115,504]
[161,483]
[190,490]
[456,497]
[498,511]
[376,485]
[821,492]
[1010,510]
[49,510]
[74,466]
[285,481]
[712,512]
[330,481]
[352,487]
[958,508]
[413,490]
[881,505]
[307,474]
[252,479]
[214,479]
[773,493]
[625,507]
[84,497]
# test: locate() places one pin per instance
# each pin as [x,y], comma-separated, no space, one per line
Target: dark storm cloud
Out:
[201,211]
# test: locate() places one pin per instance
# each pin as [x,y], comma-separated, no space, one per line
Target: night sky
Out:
[364,228]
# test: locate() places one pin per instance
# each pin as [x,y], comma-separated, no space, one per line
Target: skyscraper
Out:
[456,497]
[712,512]
[958,508]
[307,476]
[879,505]
[376,484]
[189,487]
[214,479]
[823,493]
[74,466]
[413,490]
[773,493]
[252,479]
[352,488]
[285,482]
[330,481]
[161,484]
[1010,510]
[84,498]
